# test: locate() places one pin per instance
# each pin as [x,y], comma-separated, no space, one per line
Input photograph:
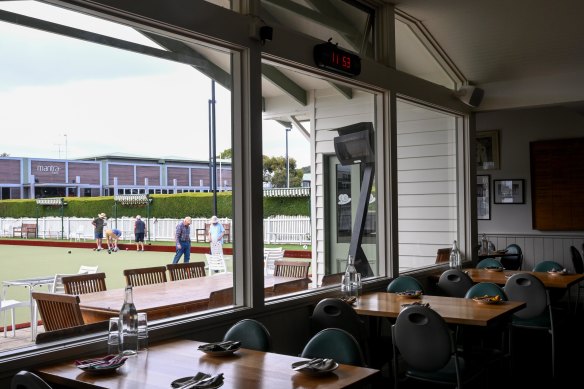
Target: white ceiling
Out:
[521,52]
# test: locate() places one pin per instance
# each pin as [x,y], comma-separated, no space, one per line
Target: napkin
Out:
[220,346]
[416,303]
[199,381]
[101,363]
[325,364]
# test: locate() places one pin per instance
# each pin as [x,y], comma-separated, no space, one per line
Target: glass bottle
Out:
[351,285]
[484,245]
[455,260]
[129,322]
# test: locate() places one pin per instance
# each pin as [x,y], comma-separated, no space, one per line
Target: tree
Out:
[225,154]
[4,155]
[275,172]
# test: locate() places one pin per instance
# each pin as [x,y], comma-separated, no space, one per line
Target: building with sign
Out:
[107,175]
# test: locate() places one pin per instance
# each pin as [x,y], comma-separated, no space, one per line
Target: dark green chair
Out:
[424,350]
[488,262]
[336,344]
[251,333]
[404,284]
[537,315]
[513,258]
[544,266]
[578,265]
[486,288]
[27,380]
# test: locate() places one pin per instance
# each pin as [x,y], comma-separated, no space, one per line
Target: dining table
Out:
[172,298]
[169,360]
[556,280]
[454,310]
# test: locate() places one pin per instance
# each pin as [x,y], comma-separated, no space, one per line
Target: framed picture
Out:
[488,150]
[483,197]
[508,191]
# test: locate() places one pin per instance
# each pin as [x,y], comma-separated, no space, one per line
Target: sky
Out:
[65,98]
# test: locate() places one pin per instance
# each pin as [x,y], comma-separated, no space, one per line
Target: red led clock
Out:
[330,57]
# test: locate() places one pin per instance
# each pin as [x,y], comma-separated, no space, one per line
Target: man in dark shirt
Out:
[139,231]
[98,223]
[183,240]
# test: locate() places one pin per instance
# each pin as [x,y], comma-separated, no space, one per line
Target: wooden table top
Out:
[562,281]
[166,361]
[454,310]
[164,299]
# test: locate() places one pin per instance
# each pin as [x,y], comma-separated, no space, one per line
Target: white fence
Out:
[277,230]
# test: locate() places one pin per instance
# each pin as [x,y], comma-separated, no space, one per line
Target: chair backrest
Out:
[84,283]
[28,380]
[58,311]
[184,271]
[443,255]
[544,266]
[527,287]
[331,279]
[577,260]
[488,262]
[57,286]
[271,255]
[251,333]
[87,269]
[297,269]
[486,288]
[335,313]
[423,339]
[454,283]
[216,263]
[220,298]
[403,284]
[290,287]
[145,275]
[513,258]
[336,344]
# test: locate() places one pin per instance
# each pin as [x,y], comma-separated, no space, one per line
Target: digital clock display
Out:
[330,57]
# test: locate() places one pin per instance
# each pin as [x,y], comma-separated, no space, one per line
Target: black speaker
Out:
[354,143]
[471,95]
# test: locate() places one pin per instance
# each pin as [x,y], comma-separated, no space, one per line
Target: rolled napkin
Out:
[415,304]
[220,346]
[316,364]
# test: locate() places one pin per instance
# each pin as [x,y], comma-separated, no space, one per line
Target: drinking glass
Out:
[114,336]
[142,331]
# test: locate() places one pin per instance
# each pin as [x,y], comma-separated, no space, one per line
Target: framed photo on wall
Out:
[488,150]
[483,197]
[508,191]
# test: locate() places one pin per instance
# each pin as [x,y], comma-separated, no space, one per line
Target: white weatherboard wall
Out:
[427,196]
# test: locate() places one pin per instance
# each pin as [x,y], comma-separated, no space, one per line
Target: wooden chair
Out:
[443,255]
[220,298]
[290,287]
[145,275]
[184,271]
[84,283]
[332,279]
[57,286]
[296,269]
[58,311]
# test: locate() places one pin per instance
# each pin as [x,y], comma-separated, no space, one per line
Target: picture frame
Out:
[510,191]
[483,197]
[488,150]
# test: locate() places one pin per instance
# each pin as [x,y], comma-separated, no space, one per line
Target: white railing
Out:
[277,230]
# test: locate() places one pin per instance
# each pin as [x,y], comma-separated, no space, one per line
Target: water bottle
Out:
[484,245]
[455,260]
[351,285]
[129,322]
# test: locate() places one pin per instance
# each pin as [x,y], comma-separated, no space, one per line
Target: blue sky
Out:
[101,100]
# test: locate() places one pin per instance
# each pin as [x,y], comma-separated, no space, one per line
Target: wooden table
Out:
[454,310]
[166,361]
[563,281]
[167,299]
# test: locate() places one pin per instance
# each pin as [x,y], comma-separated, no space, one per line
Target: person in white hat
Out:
[216,232]
[98,224]
[139,231]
